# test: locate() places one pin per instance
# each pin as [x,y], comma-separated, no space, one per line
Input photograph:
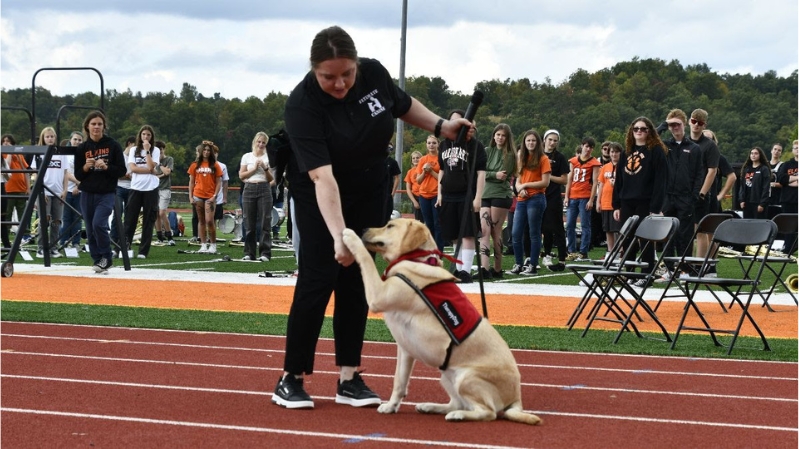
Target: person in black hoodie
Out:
[641,178]
[787,176]
[755,180]
[684,180]
[99,162]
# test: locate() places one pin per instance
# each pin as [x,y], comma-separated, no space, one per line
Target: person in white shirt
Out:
[55,181]
[257,200]
[142,161]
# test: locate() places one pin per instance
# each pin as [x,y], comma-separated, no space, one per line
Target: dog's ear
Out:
[416,236]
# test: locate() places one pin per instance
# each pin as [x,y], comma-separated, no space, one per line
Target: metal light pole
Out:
[398,148]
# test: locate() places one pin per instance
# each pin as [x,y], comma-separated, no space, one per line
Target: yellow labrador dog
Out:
[478,370]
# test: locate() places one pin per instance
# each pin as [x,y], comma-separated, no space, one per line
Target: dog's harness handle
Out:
[452,338]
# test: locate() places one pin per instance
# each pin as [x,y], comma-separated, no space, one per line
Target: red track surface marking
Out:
[70,386]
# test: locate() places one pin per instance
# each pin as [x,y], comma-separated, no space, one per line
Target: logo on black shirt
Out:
[375,106]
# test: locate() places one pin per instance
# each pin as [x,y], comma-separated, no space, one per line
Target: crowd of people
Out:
[526,186]
[79,189]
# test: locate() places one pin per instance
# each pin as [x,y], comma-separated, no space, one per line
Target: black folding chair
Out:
[651,232]
[611,259]
[777,263]
[690,265]
[757,232]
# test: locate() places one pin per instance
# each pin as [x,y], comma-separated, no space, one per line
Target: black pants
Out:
[640,208]
[554,232]
[681,207]
[147,203]
[790,240]
[319,275]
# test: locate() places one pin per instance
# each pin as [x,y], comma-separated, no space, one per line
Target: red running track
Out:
[79,386]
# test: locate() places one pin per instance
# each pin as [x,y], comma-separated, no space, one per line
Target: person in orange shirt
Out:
[428,189]
[532,180]
[412,186]
[17,184]
[205,181]
[579,200]
[605,182]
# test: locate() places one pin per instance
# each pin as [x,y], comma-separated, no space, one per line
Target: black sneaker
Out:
[355,393]
[560,266]
[486,273]
[289,393]
[463,276]
[495,274]
[102,265]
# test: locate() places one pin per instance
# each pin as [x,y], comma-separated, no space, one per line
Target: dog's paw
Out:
[457,415]
[350,238]
[388,408]
[429,407]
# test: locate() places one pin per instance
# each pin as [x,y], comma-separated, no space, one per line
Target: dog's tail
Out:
[516,413]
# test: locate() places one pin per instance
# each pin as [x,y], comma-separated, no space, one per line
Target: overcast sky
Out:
[242,48]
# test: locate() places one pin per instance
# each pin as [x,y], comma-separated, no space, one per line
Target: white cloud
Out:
[243,48]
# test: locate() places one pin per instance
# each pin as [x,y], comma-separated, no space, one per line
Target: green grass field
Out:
[559,339]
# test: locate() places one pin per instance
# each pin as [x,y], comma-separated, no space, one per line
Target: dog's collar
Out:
[417,256]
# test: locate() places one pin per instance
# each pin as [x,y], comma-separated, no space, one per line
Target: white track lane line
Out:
[351,438]
[429,378]
[406,404]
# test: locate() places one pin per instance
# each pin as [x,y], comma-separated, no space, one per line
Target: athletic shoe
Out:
[141,256]
[530,270]
[203,249]
[264,258]
[582,257]
[547,260]
[665,277]
[641,283]
[40,253]
[246,258]
[517,269]
[194,241]
[355,393]
[560,266]
[158,243]
[572,257]
[711,272]
[486,273]
[526,262]
[102,266]
[289,393]
[28,240]
[55,254]
[212,248]
[496,274]
[463,276]
[171,242]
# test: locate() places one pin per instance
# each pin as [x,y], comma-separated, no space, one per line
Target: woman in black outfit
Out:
[340,118]
[755,183]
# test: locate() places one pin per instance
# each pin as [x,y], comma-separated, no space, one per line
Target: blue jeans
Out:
[97,208]
[577,207]
[430,214]
[70,232]
[532,210]
[122,195]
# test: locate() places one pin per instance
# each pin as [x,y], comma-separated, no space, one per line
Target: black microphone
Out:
[477,99]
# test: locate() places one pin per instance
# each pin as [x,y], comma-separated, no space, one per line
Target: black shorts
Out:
[219,211]
[608,223]
[501,203]
[450,215]
[701,208]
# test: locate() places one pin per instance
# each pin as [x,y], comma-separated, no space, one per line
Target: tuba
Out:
[792,282]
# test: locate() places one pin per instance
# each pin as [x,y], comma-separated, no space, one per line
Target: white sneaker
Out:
[212,248]
[141,256]
[203,249]
[547,261]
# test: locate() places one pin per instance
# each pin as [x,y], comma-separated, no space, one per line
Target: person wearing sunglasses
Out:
[640,187]
[710,164]
[683,184]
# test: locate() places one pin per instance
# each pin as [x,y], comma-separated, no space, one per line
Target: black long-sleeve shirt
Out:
[641,175]
[100,181]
